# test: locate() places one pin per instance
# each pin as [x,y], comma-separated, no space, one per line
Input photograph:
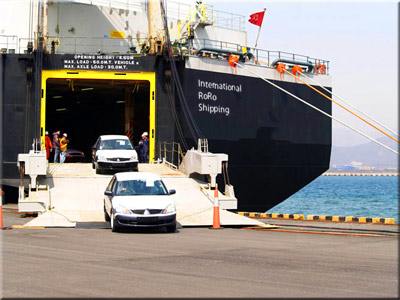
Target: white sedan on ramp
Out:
[139,199]
[114,153]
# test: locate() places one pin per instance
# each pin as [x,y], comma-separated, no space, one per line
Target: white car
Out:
[139,199]
[114,153]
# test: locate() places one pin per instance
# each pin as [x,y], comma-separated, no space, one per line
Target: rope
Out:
[345,108]
[365,114]
[319,110]
[192,126]
[175,117]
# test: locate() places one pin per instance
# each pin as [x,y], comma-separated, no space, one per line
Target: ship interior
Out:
[88,108]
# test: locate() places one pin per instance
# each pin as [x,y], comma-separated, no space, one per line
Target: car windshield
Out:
[117,144]
[140,187]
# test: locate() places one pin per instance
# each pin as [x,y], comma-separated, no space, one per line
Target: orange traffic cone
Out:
[216,219]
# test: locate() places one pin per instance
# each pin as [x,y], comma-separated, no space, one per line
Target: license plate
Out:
[147,219]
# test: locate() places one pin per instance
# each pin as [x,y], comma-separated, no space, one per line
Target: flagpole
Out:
[258,33]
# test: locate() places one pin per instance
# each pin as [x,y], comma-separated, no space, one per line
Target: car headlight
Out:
[169,209]
[122,210]
[101,158]
[133,157]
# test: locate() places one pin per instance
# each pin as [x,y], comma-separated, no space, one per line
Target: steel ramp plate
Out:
[194,208]
[76,195]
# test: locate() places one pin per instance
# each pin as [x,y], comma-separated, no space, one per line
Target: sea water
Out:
[358,196]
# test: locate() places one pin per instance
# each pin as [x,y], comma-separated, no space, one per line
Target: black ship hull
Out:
[276,145]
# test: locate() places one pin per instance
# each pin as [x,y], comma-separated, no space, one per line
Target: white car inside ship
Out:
[114,153]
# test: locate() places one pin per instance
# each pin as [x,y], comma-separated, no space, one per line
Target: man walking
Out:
[56,146]
[48,145]
[144,148]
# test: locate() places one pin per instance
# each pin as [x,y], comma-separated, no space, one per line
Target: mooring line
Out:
[319,110]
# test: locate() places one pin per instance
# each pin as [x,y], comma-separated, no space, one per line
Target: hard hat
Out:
[65,134]
[145,133]
[47,133]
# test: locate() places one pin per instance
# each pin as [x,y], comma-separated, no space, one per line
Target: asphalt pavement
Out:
[91,261]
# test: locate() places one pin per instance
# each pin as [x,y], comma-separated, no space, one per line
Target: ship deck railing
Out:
[171,153]
[74,45]
[9,43]
[103,45]
[95,45]
[261,57]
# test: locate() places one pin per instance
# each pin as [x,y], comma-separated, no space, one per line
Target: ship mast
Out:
[156,32]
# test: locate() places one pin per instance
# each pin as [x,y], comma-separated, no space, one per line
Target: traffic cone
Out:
[216,219]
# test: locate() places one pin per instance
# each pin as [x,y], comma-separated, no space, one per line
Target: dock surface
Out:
[91,261]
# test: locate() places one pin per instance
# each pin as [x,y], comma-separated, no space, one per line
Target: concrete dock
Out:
[355,173]
[91,261]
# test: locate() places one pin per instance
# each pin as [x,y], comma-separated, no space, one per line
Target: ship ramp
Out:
[72,192]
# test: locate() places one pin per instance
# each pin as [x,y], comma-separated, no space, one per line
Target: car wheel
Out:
[114,225]
[106,216]
[171,228]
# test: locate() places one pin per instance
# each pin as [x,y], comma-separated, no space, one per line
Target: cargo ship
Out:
[105,67]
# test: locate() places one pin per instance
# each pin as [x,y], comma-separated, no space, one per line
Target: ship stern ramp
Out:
[76,196]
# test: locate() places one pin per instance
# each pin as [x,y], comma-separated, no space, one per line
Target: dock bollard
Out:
[216,219]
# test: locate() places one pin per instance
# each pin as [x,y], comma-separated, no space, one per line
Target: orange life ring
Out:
[233,60]
[281,68]
[320,69]
[297,70]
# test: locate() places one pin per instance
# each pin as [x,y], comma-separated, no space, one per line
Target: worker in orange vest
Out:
[48,145]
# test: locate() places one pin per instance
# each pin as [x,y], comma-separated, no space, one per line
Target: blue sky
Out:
[359,38]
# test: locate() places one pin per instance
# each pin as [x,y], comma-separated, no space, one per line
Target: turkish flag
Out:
[257,18]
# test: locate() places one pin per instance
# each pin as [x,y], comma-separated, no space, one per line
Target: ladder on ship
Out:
[197,17]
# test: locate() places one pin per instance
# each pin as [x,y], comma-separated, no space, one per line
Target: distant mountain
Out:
[369,154]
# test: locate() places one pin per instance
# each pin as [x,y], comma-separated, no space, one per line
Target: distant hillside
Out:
[369,154]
